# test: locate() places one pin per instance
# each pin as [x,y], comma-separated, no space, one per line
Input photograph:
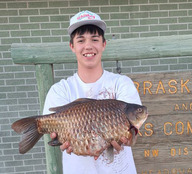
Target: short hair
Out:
[92,29]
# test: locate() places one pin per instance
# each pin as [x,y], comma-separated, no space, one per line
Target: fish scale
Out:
[89,125]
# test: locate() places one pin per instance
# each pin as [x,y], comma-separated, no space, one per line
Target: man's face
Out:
[88,49]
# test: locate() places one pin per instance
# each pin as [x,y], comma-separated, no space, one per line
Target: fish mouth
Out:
[142,121]
[145,110]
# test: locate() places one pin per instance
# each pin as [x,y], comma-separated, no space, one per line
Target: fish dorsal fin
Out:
[74,103]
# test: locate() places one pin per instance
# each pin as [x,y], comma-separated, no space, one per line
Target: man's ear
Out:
[104,45]
[72,47]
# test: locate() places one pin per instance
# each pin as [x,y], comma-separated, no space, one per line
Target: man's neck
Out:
[90,75]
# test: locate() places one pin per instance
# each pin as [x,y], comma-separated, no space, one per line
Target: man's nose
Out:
[88,45]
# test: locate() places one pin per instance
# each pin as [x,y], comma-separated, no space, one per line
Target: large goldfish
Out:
[89,125]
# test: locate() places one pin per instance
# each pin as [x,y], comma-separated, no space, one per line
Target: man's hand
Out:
[65,146]
[124,141]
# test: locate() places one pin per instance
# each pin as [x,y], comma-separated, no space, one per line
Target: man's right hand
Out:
[65,146]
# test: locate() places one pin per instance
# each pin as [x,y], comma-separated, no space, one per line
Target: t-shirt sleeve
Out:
[57,96]
[126,91]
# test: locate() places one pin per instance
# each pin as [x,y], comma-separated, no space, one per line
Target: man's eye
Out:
[95,40]
[80,41]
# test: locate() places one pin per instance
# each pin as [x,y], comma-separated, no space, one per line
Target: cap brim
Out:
[101,24]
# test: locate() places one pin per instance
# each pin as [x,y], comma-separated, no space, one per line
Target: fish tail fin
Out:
[28,127]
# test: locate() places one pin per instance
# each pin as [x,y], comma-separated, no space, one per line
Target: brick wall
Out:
[41,21]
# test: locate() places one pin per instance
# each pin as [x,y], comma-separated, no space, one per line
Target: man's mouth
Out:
[89,55]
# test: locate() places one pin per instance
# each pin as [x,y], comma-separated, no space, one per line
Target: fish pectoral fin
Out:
[67,106]
[54,142]
[134,133]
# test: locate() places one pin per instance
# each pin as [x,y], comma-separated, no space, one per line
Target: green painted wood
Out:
[120,49]
[44,76]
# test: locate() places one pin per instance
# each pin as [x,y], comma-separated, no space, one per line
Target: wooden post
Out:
[44,76]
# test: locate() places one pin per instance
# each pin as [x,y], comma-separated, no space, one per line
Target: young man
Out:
[91,81]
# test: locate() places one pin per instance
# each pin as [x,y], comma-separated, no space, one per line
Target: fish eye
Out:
[139,109]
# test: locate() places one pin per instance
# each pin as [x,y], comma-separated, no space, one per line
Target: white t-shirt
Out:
[109,86]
